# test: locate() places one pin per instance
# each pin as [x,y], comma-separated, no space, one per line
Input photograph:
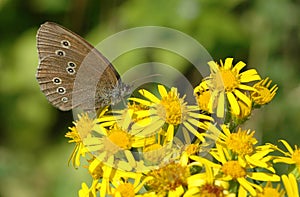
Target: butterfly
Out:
[74,74]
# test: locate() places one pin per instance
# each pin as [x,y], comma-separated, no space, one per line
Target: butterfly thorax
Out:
[116,94]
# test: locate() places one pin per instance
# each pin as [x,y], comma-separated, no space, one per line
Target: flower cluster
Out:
[160,145]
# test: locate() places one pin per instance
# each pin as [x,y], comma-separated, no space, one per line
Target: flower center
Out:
[117,140]
[192,149]
[269,192]
[203,100]
[229,80]
[126,190]
[233,169]
[241,142]
[209,190]
[84,125]
[171,108]
[168,177]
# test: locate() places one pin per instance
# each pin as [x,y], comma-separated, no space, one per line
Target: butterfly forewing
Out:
[69,68]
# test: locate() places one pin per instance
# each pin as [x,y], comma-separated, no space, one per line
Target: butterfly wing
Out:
[71,72]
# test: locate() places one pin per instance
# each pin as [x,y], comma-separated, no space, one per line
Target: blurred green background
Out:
[33,151]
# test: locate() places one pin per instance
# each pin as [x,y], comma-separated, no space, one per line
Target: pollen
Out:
[226,79]
[268,190]
[211,190]
[171,108]
[203,98]
[241,142]
[126,190]
[83,126]
[168,177]
[192,149]
[118,139]
[233,169]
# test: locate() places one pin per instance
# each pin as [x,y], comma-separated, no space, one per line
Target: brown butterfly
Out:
[72,73]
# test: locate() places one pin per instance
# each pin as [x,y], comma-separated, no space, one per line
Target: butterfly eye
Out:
[64,99]
[60,53]
[72,64]
[70,70]
[56,80]
[65,44]
[61,90]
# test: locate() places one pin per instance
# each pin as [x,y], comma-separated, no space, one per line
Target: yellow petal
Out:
[238,67]
[233,103]
[149,96]
[200,116]
[151,129]
[228,63]
[294,185]
[127,120]
[288,147]
[284,160]
[290,185]
[246,87]
[213,66]
[193,130]
[244,183]
[170,133]
[162,91]
[141,101]
[243,97]
[262,176]
[221,106]
[249,75]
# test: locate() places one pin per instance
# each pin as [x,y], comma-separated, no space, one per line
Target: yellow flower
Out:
[269,190]
[227,79]
[113,139]
[83,127]
[90,192]
[206,184]
[232,169]
[242,144]
[264,93]
[170,110]
[110,181]
[292,156]
[126,185]
[169,179]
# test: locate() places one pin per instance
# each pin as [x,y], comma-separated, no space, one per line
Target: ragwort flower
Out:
[264,93]
[206,184]
[113,140]
[170,179]
[170,111]
[234,169]
[83,127]
[226,79]
[291,157]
